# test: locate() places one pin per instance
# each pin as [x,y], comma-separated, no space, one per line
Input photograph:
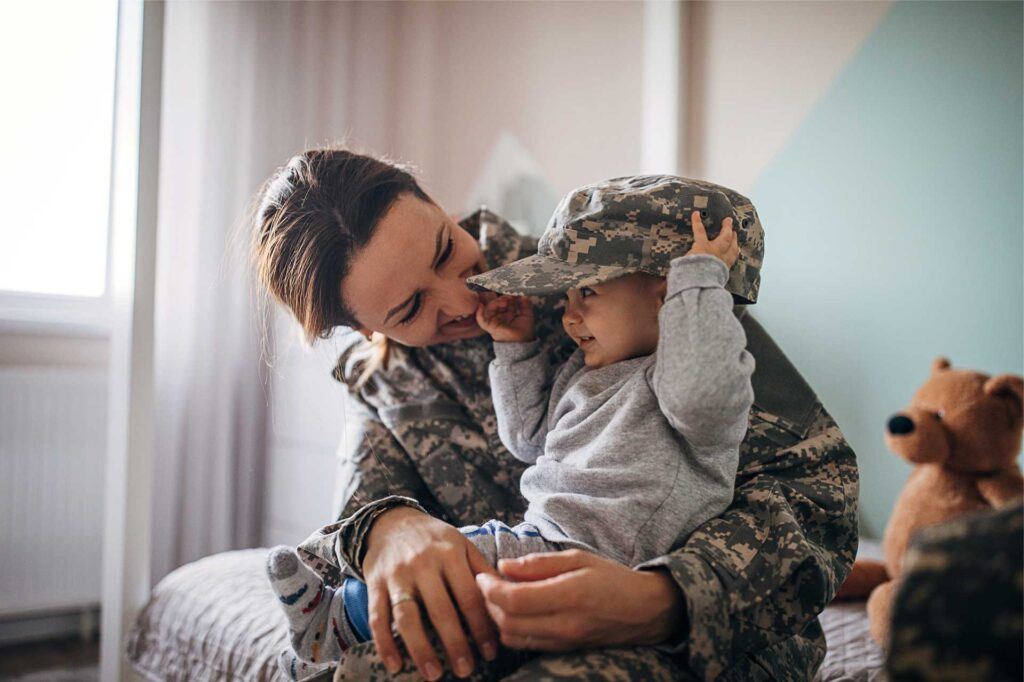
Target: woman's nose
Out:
[455,298]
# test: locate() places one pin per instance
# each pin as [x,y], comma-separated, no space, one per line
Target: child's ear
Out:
[661,288]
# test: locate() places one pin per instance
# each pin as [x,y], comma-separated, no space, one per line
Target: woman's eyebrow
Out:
[433,263]
[437,246]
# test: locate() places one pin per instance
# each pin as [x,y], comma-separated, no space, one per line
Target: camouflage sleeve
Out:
[760,573]
[372,465]
[336,551]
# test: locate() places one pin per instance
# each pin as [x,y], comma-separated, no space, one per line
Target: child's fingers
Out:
[496,310]
[726,234]
[733,251]
[496,306]
[700,235]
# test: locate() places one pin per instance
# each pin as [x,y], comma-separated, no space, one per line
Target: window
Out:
[55,146]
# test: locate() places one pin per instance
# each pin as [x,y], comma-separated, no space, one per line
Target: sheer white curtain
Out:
[245,86]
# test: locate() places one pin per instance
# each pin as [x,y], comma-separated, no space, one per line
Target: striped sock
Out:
[295,669]
[320,629]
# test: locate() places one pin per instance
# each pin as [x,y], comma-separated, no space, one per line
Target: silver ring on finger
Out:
[399,597]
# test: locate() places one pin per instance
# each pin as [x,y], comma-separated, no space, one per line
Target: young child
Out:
[633,441]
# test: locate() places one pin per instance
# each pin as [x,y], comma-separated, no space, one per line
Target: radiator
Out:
[52,450]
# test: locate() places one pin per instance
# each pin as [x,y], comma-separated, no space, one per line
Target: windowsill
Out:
[54,315]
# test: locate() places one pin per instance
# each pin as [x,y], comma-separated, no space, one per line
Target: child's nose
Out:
[571,314]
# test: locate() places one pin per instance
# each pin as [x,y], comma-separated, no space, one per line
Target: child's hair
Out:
[313,216]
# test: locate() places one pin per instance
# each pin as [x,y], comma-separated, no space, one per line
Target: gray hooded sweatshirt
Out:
[630,458]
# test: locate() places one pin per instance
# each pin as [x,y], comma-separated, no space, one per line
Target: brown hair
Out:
[313,216]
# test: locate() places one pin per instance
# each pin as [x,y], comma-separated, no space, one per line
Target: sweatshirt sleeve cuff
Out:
[697,271]
[508,352]
[707,639]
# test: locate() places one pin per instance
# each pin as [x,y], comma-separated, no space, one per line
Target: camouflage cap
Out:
[631,224]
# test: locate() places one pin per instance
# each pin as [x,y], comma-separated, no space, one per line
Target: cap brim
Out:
[540,275]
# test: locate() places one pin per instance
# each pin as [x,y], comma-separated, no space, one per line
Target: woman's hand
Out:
[506,318]
[575,599]
[410,554]
[724,247]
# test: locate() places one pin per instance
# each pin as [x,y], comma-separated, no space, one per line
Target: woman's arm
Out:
[411,553]
[406,550]
[371,466]
[758,574]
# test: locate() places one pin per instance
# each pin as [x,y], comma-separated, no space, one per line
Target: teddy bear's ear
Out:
[1009,387]
[939,364]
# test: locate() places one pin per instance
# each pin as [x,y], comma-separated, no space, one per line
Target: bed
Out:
[217,619]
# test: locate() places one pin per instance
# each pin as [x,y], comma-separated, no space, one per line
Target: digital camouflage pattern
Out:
[959,611]
[754,579]
[600,665]
[632,224]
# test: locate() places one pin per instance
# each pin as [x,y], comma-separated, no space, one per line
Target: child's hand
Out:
[725,247]
[507,318]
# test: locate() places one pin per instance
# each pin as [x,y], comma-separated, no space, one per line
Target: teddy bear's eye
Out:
[940,414]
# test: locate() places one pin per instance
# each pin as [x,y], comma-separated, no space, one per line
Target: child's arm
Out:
[520,376]
[702,371]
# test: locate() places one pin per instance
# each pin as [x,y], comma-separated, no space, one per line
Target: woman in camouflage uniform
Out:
[346,240]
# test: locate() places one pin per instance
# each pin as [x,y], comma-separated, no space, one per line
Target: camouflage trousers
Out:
[616,664]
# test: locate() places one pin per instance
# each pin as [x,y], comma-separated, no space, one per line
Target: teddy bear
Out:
[962,431]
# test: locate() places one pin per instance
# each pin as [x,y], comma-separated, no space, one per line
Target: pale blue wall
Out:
[894,224]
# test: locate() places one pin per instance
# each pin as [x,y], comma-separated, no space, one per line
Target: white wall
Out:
[563,77]
[761,68]
[306,421]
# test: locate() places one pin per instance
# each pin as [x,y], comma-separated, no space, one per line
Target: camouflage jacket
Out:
[754,578]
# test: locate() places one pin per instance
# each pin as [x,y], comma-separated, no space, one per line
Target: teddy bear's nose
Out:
[900,425]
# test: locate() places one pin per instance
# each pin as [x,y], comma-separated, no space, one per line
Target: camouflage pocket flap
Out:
[435,409]
[769,425]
